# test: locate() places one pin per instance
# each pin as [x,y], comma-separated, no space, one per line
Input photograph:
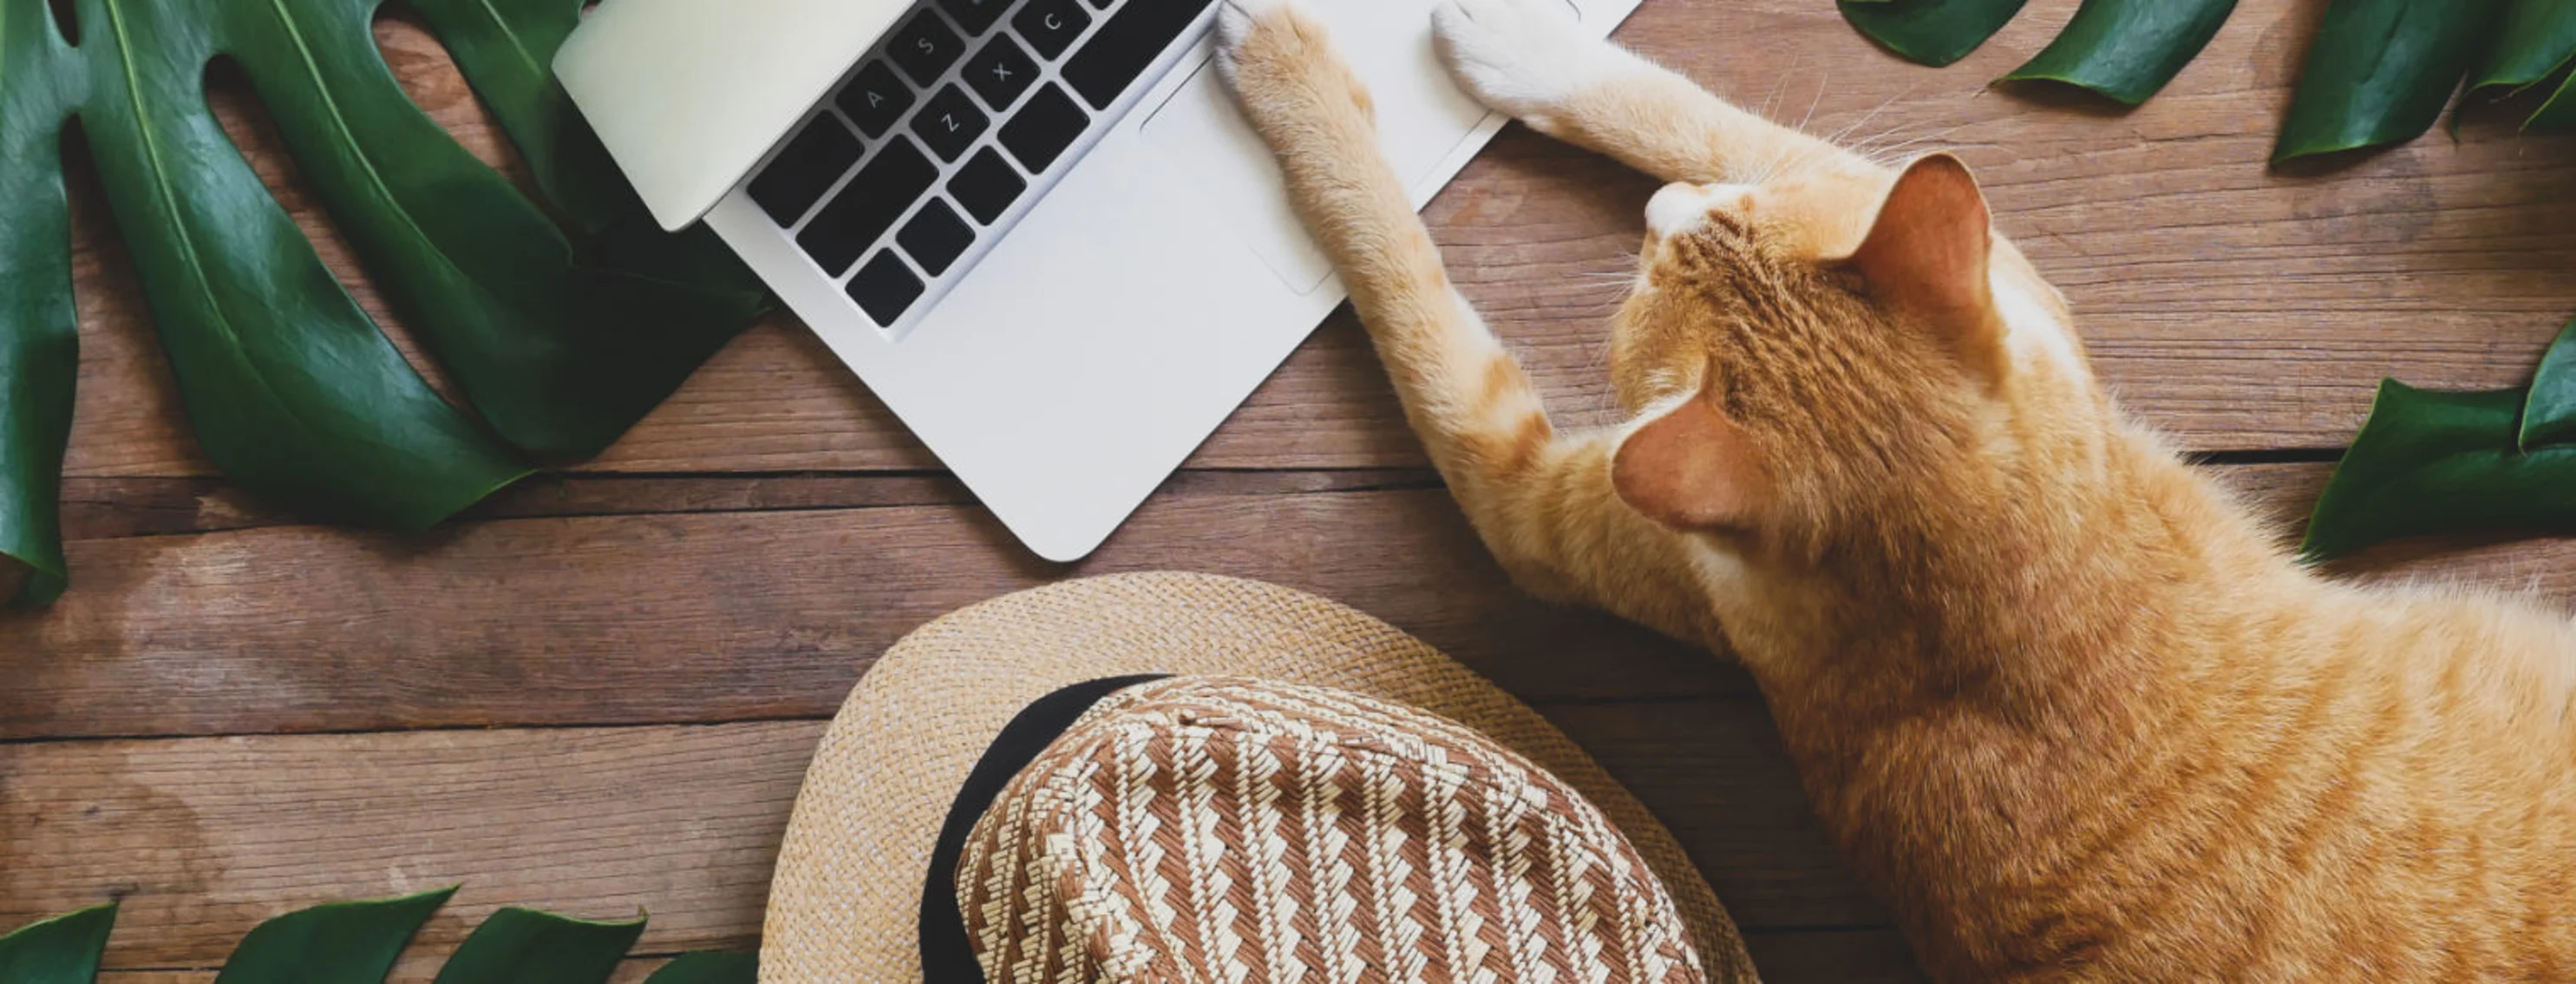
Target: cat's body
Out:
[2067,706]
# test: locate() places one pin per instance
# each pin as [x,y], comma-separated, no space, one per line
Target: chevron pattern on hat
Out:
[1239,831]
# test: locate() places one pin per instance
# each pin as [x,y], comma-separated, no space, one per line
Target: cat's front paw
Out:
[1237,21]
[1282,67]
[1528,58]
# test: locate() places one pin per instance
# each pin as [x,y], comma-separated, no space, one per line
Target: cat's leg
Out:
[1542,501]
[1529,58]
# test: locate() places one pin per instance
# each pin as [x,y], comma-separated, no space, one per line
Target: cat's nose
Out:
[1680,209]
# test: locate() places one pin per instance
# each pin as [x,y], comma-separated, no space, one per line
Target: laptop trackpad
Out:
[1421,120]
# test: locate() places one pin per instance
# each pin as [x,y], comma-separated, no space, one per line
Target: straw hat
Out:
[1254,667]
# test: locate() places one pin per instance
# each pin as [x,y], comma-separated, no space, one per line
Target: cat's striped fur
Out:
[2067,706]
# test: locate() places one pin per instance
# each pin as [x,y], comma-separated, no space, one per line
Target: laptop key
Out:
[1133,38]
[1001,72]
[986,186]
[867,206]
[949,123]
[875,99]
[975,16]
[936,237]
[802,172]
[885,288]
[925,48]
[1039,132]
[1051,25]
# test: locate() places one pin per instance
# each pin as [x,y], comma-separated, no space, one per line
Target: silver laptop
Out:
[1037,229]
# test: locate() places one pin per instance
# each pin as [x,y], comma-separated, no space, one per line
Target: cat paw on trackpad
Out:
[1523,57]
[1236,22]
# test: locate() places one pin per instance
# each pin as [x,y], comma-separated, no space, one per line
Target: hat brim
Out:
[846,900]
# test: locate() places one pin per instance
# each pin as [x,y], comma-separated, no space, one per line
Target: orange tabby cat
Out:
[2071,710]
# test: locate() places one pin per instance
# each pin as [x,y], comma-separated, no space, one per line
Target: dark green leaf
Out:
[524,946]
[2533,40]
[345,943]
[62,950]
[292,390]
[2549,415]
[504,49]
[2127,49]
[39,334]
[1932,32]
[2558,115]
[560,342]
[2381,71]
[2431,462]
[485,279]
[708,968]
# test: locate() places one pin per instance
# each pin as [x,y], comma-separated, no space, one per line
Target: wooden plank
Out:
[110,508]
[619,601]
[2237,308]
[204,838]
[711,617]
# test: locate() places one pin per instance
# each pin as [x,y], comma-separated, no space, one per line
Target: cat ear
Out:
[1692,469]
[1927,254]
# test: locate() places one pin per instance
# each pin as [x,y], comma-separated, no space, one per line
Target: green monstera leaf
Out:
[62,950]
[2127,49]
[358,942]
[561,333]
[708,968]
[2428,462]
[1932,32]
[2535,41]
[2381,71]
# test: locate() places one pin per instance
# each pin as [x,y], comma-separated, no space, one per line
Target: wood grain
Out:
[202,839]
[704,617]
[2238,308]
[595,603]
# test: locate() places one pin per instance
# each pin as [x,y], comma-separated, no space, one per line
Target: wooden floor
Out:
[597,693]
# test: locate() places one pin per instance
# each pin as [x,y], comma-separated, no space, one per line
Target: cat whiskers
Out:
[1802,158]
[1889,152]
[1779,88]
[1607,289]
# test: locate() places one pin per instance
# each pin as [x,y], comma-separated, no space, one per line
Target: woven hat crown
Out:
[1228,829]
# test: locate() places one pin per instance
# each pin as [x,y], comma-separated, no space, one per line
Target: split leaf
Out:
[2381,71]
[1931,32]
[342,943]
[358,942]
[2533,40]
[2549,413]
[524,946]
[708,968]
[62,950]
[2430,462]
[2558,115]
[39,337]
[561,332]
[2127,49]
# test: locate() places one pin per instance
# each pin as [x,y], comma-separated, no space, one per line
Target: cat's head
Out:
[1833,351]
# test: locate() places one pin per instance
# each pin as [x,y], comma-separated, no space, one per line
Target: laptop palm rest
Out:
[1423,120]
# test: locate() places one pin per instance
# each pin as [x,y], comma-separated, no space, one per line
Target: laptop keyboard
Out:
[938,136]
